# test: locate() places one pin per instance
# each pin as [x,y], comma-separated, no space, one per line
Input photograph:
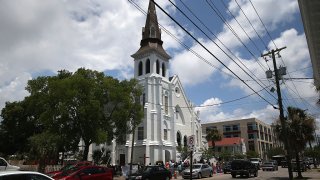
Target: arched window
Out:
[140,68]
[152,32]
[148,66]
[179,138]
[158,67]
[185,141]
[163,70]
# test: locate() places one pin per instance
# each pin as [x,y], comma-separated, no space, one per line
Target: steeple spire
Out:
[151,34]
[151,29]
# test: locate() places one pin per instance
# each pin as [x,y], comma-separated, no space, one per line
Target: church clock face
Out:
[177,91]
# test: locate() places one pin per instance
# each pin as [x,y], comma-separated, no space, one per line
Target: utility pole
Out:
[282,118]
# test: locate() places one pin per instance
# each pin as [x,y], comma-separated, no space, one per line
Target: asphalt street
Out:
[281,174]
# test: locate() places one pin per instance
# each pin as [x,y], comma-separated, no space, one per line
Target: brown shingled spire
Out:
[151,29]
[151,34]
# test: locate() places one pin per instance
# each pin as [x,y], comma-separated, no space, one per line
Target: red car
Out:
[88,173]
[68,167]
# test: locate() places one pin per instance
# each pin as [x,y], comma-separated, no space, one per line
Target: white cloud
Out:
[210,113]
[277,17]
[46,36]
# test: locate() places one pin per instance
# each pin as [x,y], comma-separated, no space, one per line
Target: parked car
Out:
[198,171]
[303,166]
[256,161]
[87,173]
[284,164]
[227,168]
[151,172]
[243,168]
[269,166]
[5,166]
[68,167]
[23,175]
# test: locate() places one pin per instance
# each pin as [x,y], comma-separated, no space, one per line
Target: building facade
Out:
[169,117]
[257,135]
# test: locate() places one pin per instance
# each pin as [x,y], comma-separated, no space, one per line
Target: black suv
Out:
[243,168]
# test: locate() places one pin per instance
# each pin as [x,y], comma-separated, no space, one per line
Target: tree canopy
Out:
[83,105]
[300,129]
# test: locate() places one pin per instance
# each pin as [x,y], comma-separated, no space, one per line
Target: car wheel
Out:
[199,176]
[233,175]
[211,173]
[256,174]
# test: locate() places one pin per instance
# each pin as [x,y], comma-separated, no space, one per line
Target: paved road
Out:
[281,174]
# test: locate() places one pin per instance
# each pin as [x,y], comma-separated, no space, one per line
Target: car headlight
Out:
[139,177]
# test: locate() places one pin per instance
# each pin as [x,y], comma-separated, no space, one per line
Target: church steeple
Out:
[151,35]
[151,31]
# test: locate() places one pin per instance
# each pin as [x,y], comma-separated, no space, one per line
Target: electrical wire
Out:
[221,49]
[210,52]
[265,45]
[183,44]
[215,37]
[219,14]
[273,44]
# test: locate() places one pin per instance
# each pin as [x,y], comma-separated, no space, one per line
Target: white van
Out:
[5,166]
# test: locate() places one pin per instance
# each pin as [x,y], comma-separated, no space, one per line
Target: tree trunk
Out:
[298,165]
[85,151]
[41,165]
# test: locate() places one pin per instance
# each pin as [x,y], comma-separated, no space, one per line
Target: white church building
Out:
[169,117]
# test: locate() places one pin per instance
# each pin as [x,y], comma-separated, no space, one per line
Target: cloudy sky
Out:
[39,38]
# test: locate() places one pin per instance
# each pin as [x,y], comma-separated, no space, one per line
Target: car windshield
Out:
[254,159]
[70,171]
[268,163]
[196,166]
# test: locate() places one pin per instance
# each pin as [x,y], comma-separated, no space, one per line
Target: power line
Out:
[209,51]
[252,25]
[222,49]
[183,44]
[219,14]
[215,37]
[272,42]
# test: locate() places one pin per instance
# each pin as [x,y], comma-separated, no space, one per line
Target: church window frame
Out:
[166,105]
[158,67]
[140,133]
[152,32]
[148,66]
[140,68]
[163,70]
[165,134]
[185,141]
[179,138]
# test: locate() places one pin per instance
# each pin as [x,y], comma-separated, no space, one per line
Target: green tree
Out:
[225,155]
[44,147]
[184,153]
[207,153]
[252,154]
[83,105]
[275,151]
[300,128]
[213,135]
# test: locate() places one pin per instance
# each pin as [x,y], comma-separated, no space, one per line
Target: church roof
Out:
[151,35]
[227,142]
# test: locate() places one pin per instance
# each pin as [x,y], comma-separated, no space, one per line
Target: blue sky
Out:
[41,37]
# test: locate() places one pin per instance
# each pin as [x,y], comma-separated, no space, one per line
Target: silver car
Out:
[198,171]
[25,175]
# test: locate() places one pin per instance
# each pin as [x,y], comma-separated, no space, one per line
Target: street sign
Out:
[191,142]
